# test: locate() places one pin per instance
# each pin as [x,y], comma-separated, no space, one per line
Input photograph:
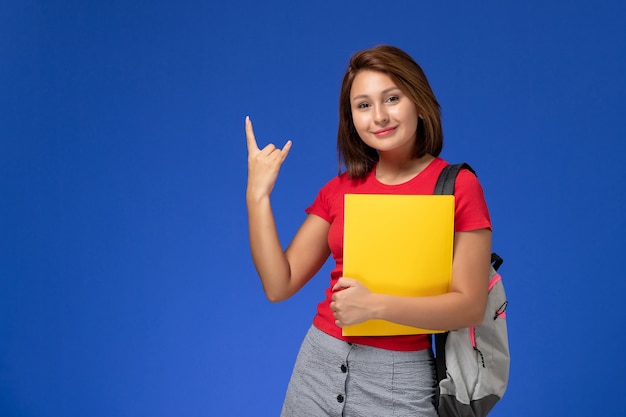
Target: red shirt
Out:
[470,214]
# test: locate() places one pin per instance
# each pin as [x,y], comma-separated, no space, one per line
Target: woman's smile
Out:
[385,132]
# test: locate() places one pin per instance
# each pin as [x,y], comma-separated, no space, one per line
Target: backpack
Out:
[473,363]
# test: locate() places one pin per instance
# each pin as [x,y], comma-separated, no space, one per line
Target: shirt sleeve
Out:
[471,212]
[321,206]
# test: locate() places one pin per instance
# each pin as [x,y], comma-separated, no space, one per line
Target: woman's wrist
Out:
[378,306]
[255,197]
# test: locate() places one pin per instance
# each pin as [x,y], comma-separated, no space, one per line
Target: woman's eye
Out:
[363,106]
[393,99]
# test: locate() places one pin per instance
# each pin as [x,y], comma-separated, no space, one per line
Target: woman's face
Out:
[384,117]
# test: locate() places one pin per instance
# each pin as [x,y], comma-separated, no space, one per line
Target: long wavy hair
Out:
[359,158]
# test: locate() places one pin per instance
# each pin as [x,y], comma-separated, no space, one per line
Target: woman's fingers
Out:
[285,150]
[251,140]
[253,146]
[263,164]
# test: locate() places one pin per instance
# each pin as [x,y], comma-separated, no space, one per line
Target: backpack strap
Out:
[445,186]
[445,182]
[496,261]
[440,356]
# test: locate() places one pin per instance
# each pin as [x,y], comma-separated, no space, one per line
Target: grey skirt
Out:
[339,379]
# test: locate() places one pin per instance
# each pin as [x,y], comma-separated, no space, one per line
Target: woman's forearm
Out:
[442,312]
[464,305]
[267,253]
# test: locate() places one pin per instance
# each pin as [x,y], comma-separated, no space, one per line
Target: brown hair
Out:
[358,157]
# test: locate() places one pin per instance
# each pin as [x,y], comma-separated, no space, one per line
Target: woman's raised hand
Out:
[263,164]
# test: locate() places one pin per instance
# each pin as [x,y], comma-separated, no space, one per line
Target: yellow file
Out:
[398,245]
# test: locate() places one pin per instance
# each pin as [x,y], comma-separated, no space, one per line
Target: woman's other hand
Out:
[263,165]
[352,303]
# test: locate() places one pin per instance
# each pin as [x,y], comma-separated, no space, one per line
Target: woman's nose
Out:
[380,115]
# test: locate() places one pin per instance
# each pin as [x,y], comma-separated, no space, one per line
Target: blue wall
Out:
[126,284]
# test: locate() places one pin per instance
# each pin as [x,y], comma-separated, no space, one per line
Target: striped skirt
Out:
[332,378]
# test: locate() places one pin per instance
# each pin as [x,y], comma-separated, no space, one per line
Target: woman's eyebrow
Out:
[385,91]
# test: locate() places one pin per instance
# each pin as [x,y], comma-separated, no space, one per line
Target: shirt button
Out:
[339,398]
[344,368]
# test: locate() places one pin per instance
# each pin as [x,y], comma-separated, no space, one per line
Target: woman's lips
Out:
[384,132]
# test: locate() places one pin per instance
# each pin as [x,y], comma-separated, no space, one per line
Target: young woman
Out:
[389,140]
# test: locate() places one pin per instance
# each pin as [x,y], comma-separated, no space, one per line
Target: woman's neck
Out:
[391,172]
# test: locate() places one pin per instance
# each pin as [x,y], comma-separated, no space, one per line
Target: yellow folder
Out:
[398,245]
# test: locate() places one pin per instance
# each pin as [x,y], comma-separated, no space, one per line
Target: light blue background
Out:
[126,284]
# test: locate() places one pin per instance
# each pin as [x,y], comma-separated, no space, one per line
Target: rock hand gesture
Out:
[263,165]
